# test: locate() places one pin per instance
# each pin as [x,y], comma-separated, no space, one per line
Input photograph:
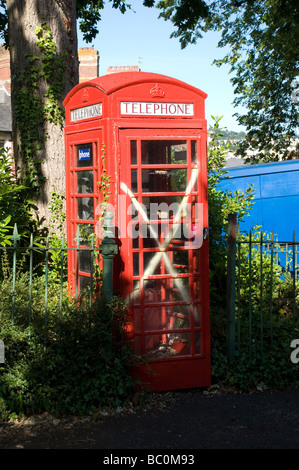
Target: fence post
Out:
[230,286]
[15,238]
[108,250]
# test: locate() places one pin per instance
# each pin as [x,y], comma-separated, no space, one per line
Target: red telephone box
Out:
[147,134]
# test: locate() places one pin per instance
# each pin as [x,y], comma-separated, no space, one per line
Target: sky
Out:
[141,38]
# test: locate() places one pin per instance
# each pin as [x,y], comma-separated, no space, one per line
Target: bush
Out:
[221,204]
[15,207]
[73,364]
[254,364]
[263,334]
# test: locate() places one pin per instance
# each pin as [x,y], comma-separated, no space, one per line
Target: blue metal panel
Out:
[281,214]
[276,201]
[280,184]
[242,183]
[255,219]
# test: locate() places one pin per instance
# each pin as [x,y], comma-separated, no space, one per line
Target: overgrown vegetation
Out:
[221,204]
[61,355]
[265,305]
[15,208]
[266,323]
[260,39]
[70,361]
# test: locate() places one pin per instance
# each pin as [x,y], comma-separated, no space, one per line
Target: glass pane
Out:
[181,261]
[137,320]
[180,344]
[135,235]
[135,293]
[166,180]
[84,155]
[85,208]
[170,262]
[194,151]
[180,235]
[166,318]
[86,232]
[194,179]
[85,263]
[84,282]
[135,264]
[162,207]
[85,182]
[150,237]
[133,152]
[161,152]
[160,346]
[166,290]
[196,315]
[134,181]
[152,263]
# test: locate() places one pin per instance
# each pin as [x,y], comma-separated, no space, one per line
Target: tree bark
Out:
[23,18]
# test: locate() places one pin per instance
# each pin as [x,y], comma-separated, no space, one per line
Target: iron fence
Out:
[46,260]
[262,281]
[262,289]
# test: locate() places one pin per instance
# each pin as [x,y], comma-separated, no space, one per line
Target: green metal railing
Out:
[38,255]
[262,283]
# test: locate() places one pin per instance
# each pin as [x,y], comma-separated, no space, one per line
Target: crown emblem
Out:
[85,96]
[157,92]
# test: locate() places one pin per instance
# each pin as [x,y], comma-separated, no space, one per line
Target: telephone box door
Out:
[162,216]
[83,169]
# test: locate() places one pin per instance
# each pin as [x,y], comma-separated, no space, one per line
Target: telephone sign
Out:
[84,154]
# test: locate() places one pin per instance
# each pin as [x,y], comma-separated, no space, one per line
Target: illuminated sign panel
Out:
[87,112]
[141,108]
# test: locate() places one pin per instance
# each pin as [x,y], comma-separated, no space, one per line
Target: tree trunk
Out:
[23,19]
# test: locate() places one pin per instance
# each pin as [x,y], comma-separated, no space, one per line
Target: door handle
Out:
[205,233]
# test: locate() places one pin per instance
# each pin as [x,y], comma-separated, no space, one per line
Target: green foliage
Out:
[89,14]
[33,108]
[265,325]
[256,364]
[105,179]
[14,207]
[234,139]
[56,225]
[221,204]
[104,184]
[188,17]
[74,364]
[251,370]
[57,215]
[262,39]
[52,72]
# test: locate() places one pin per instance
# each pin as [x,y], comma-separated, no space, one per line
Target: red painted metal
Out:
[153,130]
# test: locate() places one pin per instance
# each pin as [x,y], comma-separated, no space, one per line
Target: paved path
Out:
[185,420]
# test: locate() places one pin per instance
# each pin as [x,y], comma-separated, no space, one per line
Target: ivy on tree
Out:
[33,109]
